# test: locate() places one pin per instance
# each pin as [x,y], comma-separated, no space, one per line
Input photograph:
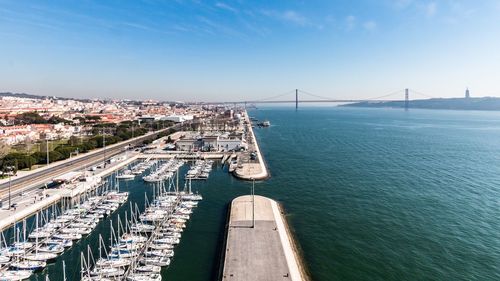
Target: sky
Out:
[193,50]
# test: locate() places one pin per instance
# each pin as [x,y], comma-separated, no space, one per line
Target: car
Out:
[13,206]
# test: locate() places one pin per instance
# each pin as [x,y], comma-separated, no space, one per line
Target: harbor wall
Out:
[258,245]
[247,171]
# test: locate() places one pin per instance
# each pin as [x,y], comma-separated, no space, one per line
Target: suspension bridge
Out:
[300,96]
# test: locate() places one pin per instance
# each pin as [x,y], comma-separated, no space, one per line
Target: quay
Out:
[259,246]
[248,169]
[29,205]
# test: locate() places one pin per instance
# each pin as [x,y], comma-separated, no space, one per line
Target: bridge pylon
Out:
[296,99]
[407,99]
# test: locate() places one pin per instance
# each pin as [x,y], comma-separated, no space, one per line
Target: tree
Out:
[39,157]
[29,118]
[4,149]
[22,160]
[55,156]
[73,140]
[81,120]
[65,151]
[57,120]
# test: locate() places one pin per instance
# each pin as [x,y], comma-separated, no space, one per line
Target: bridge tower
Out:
[407,99]
[296,99]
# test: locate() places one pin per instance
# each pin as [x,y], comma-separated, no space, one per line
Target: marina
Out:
[147,241]
[200,170]
[162,171]
[150,234]
[55,230]
[136,243]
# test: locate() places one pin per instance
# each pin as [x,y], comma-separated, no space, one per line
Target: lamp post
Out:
[10,169]
[104,146]
[253,203]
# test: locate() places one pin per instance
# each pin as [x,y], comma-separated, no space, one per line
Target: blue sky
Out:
[241,50]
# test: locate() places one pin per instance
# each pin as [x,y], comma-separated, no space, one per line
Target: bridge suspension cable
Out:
[386,95]
[422,94]
[276,96]
[367,99]
[290,93]
[315,96]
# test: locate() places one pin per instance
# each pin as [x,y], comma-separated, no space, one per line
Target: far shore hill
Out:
[484,103]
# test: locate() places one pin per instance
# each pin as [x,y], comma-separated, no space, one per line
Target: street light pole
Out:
[253,203]
[104,146]
[10,169]
[10,183]
[48,161]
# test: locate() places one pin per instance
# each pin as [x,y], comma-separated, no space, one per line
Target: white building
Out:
[178,118]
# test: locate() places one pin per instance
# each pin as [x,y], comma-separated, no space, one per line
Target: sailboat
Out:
[126,175]
[23,244]
[3,245]
[28,265]
[109,261]
[42,256]
[15,275]
[144,277]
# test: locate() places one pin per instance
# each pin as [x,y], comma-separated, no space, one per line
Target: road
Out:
[41,177]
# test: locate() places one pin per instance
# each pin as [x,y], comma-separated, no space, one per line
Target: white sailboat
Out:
[15,275]
[126,175]
[42,256]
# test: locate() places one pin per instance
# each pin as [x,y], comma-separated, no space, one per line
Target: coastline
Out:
[257,228]
[298,253]
[247,170]
[294,261]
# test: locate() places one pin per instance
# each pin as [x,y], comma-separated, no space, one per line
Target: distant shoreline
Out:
[483,104]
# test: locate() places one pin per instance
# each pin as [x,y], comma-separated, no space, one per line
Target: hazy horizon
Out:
[237,50]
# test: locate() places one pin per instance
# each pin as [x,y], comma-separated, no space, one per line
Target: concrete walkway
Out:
[259,251]
[252,171]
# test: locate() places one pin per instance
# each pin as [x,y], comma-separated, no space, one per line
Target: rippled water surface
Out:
[372,194]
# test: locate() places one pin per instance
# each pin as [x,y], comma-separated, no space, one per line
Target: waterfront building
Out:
[213,142]
[178,118]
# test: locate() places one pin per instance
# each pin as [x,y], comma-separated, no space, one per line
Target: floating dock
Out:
[259,246]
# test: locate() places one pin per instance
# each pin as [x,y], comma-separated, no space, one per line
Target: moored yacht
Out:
[26,265]
[15,275]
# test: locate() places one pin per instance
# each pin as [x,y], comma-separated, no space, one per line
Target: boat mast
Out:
[36,238]
[24,230]
[177,187]
[82,267]
[64,270]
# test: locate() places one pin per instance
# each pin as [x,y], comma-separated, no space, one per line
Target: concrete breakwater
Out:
[258,244]
[247,169]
